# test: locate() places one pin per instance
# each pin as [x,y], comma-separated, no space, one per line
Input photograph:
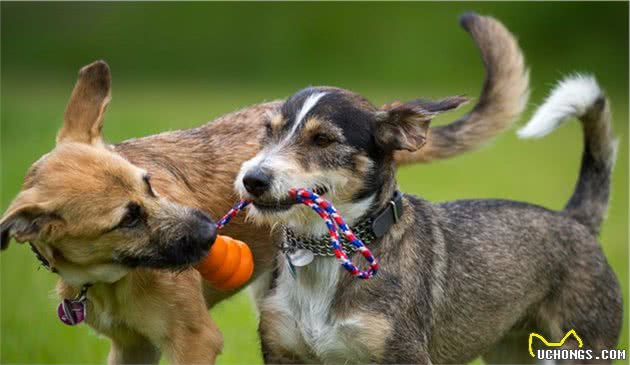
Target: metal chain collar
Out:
[321,246]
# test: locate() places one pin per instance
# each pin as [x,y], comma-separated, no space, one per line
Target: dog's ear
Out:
[83,119]
[404,126]
[26,221]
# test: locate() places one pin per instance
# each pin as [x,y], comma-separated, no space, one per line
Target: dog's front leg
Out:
[133,349]
[197,341]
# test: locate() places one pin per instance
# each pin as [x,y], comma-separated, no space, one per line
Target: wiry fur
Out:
[572,97]
[457,280]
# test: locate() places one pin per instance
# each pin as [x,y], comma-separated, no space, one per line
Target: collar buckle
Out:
[393,205]
[389,216]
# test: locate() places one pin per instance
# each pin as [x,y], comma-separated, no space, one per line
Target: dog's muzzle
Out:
[166,253]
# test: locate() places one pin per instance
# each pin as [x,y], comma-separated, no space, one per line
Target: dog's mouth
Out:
[278,205]
[176,256]
[160,261]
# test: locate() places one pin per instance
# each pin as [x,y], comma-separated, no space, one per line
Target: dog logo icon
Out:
[553,344]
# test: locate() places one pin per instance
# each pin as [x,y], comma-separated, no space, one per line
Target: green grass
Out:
[542,172]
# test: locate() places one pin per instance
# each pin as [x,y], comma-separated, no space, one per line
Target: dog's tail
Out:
[580,96]
[503,98]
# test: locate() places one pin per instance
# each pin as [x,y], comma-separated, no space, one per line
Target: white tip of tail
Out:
[572,97]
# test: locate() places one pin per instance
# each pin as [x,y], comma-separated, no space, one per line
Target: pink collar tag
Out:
[74,311]
[71,312]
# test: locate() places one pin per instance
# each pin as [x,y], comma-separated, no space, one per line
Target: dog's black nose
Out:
[206,230]
[257,182]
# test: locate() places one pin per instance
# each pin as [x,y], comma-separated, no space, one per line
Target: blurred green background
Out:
[180,65]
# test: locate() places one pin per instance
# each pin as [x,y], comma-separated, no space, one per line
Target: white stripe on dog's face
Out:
[309,104]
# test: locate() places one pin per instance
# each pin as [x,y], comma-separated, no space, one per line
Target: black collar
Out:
[42,259]
[389,216]
[368,230]
[46,264]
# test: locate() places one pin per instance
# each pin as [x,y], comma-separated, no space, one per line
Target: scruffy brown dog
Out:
[114,215]
[457,280]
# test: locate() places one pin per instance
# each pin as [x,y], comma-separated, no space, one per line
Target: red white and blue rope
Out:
[232,213]
[333,221]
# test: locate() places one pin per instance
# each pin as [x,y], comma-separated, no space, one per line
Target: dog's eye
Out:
[322,140]
[132,218]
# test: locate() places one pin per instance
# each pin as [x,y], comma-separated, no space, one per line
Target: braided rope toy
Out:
[333,221]
[232,213]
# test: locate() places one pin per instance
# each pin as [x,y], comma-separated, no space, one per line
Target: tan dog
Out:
[113,215]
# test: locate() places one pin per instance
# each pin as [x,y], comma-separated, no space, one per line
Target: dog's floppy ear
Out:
[27,221]
[404,126]
[83,119]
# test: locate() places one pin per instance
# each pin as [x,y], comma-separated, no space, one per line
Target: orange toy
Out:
[229,264]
